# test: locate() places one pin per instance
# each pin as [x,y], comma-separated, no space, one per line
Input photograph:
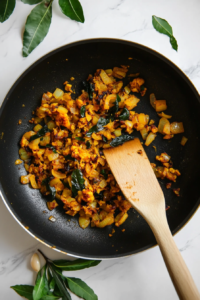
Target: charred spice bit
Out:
[177,192]
[168,185]
[139,151]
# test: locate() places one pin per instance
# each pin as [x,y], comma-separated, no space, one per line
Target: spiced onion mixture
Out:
[64,156]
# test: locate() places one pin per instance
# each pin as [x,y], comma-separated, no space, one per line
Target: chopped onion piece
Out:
[161,126]
[176,127]
[150,138]
[153,100]
[144,133]
[160,105]
[127,90]
[58,93]
[184,141]
[163,115]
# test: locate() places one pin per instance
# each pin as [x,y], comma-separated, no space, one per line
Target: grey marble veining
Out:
[142,276]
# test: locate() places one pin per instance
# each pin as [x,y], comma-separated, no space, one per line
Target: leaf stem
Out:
[46,258]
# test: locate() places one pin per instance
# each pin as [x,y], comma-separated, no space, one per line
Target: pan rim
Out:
[75,43]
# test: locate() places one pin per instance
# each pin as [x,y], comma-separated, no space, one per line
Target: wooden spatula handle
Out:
[180,275]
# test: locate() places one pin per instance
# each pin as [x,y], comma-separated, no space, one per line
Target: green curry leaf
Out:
[6,9]
[72,9]
[74,265]
[80,288]
[37,26]
[25,291]
[162,26]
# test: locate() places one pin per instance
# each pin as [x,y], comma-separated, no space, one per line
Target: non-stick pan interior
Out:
[79,60]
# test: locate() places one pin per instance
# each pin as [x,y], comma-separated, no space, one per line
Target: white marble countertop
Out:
[142,276]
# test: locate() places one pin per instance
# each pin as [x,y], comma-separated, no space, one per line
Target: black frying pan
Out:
[161,77]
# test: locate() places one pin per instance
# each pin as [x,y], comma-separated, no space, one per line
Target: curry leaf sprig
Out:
[51,284]
[39,20]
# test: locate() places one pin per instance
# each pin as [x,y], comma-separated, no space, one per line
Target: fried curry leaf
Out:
[31,2]
[89,88]
[69,157]
[104,139]
[72,9]
[98,127]
[74,265]
[124,114]
[77,181]
[163,26]
[25,291]
[80,288]
[115,107]
[121,140]
[88,145]
[51,189]
[82,111]
[51,147]
[6,9]
[80,139]
[105,175]
[37,26]
[40,133]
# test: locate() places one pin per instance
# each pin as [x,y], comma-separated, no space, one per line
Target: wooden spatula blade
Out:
[134,174]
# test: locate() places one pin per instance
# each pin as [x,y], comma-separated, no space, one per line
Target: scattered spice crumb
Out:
[177,192]
[110,235]
[139,151]
[20,121]
[72,78]
[168,185]
[66,59]
[33,112]
[123,230]
[52,219]
[151,122]
[26,227]
[2,134]
[155,148]
[23,105]
[44,211]
[168,207]
[130,58]
[18,162]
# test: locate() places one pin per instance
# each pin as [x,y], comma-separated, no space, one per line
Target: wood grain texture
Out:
[134,174]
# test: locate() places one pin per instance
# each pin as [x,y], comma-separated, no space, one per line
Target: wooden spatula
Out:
[134,174]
